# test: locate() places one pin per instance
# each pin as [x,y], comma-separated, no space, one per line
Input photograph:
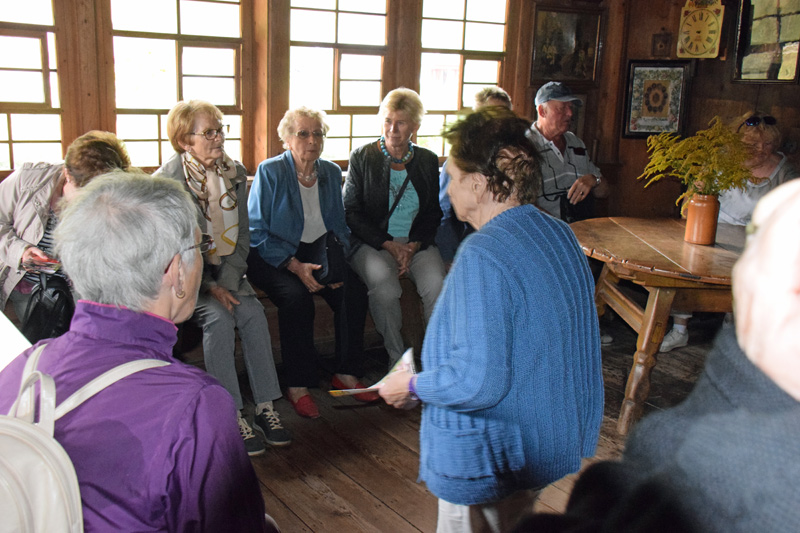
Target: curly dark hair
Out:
[95,153]
[492,141]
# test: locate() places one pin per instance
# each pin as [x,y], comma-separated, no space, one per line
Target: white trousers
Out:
[494,517]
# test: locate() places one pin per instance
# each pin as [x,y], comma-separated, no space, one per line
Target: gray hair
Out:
[289,121]
[120,232]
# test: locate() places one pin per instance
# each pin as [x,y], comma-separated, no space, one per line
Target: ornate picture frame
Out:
[566,44]
[656,97]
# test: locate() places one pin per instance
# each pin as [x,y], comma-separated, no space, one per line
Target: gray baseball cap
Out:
[555,90]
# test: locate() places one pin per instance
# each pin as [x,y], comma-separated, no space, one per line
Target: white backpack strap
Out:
[104,380]
[23,405]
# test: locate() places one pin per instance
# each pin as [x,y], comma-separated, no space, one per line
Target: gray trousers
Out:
[219,341]
[378,270]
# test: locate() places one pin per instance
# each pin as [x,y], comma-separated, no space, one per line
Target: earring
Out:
[180,294]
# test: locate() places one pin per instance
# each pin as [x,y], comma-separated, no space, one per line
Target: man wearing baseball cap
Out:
[569,177]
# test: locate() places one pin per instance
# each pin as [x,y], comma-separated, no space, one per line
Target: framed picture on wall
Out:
[767,43]
[566,44]
[656,99]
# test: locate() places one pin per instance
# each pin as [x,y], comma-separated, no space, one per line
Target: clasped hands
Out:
[305,271]
[402,253]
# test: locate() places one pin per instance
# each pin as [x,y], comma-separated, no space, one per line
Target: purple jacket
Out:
[159,450]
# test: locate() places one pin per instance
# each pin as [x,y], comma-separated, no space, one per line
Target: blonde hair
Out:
[766,132]
[404,100]
[180,121]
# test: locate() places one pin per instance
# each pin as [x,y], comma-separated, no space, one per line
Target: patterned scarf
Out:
[215,190]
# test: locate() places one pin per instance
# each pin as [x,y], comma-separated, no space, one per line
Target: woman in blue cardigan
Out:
[511,387]
[295,199]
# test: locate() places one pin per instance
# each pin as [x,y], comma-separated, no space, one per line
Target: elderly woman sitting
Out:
[226,301]
[769,167]
[512,380]
[391,200]
[158,450]
[295,200]
[30,201]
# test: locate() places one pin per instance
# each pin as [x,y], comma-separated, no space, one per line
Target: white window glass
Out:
[55,100]
[481,71]
[5,156]
[316,4]
[209,61]
[35,152]
[163,122]
[360,67]
[137,126]
[195,17]
[486,10]
[143,153]
[442,34]
[3,127]
[166,151]
[338,125]
[35,127]
[20,52]
[27,12]
[234,149]
[438,84]
[362,29]
[314,26]
[360,93]
[17,86]
[158,16]
[431,125]
[235,122]
[310,78]
[485,37]
[434,144]
[366,126]
[337,149]
[145,73]
[51,51]
[218,91]
[364,6]
[470,90]
[444,9]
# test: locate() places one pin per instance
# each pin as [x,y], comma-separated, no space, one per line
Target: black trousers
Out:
[296,323]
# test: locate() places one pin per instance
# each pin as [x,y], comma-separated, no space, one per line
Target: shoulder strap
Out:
[105,380]
[397,198]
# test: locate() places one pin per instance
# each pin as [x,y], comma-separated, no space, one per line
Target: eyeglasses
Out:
[755,120]
[304,134]
[206,244]
[210,135]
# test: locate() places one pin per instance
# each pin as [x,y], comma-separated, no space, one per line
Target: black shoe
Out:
[269,424]
[252,443]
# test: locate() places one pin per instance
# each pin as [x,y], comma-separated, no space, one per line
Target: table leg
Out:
[599,301]
[654,325]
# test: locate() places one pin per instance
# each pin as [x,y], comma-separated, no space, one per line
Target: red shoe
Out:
[305,406]
[365,397]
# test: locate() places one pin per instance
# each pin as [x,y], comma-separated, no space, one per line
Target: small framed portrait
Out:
[656,97]
[566,44]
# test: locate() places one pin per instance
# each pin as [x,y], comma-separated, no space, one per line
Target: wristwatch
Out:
[597,181]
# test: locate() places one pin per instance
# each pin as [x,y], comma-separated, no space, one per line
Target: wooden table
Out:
[653,254]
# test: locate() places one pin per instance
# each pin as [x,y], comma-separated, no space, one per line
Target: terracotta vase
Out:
[701,219]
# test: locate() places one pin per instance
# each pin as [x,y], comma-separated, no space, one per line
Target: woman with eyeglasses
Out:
[226,302]
[769,168]
[391,199]
[296,200]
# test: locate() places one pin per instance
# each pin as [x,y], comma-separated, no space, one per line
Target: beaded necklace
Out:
[405,158]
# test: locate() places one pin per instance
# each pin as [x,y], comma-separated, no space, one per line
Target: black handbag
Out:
[327,252]
[50,309]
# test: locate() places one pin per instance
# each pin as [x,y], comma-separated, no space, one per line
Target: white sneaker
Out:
[674,339]
[606,339]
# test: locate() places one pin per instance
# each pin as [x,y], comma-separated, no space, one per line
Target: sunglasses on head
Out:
[755,120]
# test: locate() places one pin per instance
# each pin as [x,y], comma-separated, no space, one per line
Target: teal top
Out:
[408,207]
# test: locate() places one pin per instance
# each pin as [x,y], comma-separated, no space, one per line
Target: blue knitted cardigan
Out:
[511,382]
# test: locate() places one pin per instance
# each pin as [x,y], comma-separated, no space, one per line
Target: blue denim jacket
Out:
[276,208]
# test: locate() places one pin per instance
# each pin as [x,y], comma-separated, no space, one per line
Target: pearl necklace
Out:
[309,179]
[405,158]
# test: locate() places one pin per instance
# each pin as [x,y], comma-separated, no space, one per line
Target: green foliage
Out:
[709,162]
